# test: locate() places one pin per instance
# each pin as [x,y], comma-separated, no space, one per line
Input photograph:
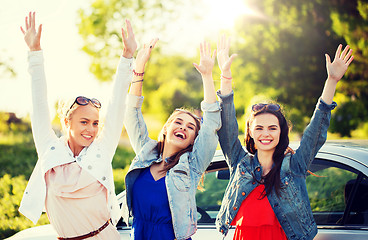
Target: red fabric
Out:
[255,219]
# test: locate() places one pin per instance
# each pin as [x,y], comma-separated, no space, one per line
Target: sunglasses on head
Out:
[84,101]
[264,106]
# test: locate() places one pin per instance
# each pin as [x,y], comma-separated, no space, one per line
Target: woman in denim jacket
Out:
[73,177]
[266,197]
[162,180]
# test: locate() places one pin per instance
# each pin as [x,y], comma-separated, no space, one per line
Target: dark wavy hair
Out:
[161,138]
[272,179]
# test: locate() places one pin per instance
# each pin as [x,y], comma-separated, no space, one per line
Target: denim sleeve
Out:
[134,122]
[313,138]
[205,144]
[228,133]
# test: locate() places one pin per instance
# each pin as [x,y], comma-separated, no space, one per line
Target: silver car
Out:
[337,187]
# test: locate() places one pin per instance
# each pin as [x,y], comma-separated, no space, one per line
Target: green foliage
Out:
[11,192]
[326,193]
[6,70]
[213,192]
[100,26]
[348,117]
[280,52]
[119,179]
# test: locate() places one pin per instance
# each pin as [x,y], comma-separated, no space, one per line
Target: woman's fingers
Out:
[338,51]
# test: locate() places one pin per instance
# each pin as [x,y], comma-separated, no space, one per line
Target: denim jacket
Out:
[181,180]
[292,208]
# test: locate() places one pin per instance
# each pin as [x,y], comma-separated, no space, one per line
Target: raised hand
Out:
[144,54]
[130,45]
[31,36]
[338,67]
[207,61]
[223,59]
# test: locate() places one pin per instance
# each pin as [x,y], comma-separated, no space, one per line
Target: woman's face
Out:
[82,127]
[180,133]
[265,130]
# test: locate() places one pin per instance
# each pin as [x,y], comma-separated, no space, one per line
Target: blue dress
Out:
[151,211]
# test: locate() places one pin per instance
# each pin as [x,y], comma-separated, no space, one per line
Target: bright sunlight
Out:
[224,13]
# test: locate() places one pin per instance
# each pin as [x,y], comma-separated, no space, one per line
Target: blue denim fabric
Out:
[181,180]
[292,209]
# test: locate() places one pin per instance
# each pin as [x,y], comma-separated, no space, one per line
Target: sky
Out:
[66,66]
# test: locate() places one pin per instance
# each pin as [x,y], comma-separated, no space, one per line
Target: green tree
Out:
[282,51]
[350,21]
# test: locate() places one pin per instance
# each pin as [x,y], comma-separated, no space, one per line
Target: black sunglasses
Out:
[84,101]
[264,106]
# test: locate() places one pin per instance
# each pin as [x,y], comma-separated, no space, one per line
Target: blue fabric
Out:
[181,180]
[151,211]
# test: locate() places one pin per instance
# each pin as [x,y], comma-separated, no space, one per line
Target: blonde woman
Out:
[73,177]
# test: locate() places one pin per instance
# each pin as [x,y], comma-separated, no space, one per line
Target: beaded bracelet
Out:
[138,74]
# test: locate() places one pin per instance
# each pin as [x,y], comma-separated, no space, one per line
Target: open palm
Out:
[31,36]
[338,67]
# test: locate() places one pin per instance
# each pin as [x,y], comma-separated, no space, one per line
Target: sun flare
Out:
[224,13]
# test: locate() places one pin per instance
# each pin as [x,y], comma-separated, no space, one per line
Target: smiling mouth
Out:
[180,135]
[265,141]
[87,136]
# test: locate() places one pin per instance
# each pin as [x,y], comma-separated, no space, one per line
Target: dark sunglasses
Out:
[264,106]
[84,101]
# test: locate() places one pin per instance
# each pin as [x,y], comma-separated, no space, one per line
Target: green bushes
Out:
[11,192]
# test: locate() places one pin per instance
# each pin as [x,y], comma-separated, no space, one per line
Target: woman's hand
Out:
[207,61]
[144,54]
[338,67]
[130,45]
[223,59]
[31,37]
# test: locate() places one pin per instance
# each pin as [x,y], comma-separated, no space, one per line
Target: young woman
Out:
[266,197]
[73,176]
[163,177]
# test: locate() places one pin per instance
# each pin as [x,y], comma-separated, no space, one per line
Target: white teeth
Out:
[179,134]
[265,141]
[87,136]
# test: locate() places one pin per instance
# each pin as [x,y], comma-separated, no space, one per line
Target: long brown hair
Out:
[161,138]
[272,179]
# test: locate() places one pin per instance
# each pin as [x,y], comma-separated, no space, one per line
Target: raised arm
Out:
[140,64]
[116,108]
[228,134]
[336,71]
[206,142]
[205,68]
[224,62]
[134,122]
[315,133]
[41,122]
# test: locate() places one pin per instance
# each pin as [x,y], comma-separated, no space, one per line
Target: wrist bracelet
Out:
[138,74]
[226,78]
[141,80]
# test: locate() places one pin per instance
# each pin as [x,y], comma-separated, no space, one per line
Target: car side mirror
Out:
[223,174]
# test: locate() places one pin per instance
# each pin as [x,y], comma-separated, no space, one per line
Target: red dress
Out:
[255,219]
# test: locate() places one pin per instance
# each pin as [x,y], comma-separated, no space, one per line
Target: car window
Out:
[329,188]
[210,197]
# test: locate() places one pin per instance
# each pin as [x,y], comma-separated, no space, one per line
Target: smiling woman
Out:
[225,13]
